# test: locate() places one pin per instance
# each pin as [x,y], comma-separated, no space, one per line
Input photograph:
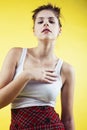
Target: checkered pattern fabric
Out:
[35,118]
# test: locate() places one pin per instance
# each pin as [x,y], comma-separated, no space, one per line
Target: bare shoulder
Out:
[68,71]
[67,68]
[15,52]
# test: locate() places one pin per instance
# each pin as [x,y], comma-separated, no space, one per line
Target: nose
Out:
[46,24]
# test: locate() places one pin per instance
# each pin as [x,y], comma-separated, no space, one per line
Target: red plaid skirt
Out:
[35,118]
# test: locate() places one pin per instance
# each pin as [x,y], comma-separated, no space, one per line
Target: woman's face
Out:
[46,25]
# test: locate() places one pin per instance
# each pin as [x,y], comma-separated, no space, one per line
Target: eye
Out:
[51,21]
[40,22]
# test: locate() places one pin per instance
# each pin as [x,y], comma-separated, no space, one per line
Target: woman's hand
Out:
[43,75]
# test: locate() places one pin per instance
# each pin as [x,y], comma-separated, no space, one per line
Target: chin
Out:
[47,38]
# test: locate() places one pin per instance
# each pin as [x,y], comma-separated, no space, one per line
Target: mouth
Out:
[46,30]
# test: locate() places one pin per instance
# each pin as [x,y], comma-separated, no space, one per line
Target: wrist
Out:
[27,75]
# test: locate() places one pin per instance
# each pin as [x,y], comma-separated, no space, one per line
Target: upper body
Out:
[37,93]
[39,65]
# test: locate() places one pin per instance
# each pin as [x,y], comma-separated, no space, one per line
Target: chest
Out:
[42,91]
[32,62]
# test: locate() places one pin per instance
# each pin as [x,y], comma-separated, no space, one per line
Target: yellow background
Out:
[16,30]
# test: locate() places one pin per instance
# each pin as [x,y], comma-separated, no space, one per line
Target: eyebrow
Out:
[43,17]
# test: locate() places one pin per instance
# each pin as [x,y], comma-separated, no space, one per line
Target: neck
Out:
[45,49]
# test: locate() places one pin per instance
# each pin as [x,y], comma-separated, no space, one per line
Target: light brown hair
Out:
[54,9]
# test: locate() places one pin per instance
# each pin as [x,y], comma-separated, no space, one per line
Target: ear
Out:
[60,30]
[33,31]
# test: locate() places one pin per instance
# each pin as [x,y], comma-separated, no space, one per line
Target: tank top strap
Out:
[59,65]
[23,55]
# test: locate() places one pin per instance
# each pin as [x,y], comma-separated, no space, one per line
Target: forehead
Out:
[45,14]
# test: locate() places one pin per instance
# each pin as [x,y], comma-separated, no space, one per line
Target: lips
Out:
[46,30]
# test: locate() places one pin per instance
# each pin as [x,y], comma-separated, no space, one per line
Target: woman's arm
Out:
[67,96]
[10,88]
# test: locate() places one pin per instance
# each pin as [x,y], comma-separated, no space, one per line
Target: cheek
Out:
[56,28]
[56,31]
[38,27]
[35,29]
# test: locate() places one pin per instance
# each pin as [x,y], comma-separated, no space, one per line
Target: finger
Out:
[51,74]
[49,70]
[51,78]
[47,81]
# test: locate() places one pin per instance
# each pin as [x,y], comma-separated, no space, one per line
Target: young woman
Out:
[31,79]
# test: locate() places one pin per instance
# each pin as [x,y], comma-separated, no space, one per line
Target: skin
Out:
[39,65]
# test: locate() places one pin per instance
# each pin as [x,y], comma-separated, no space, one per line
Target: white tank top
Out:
[37,93]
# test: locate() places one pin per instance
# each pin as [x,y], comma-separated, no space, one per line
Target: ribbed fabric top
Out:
[37,93]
